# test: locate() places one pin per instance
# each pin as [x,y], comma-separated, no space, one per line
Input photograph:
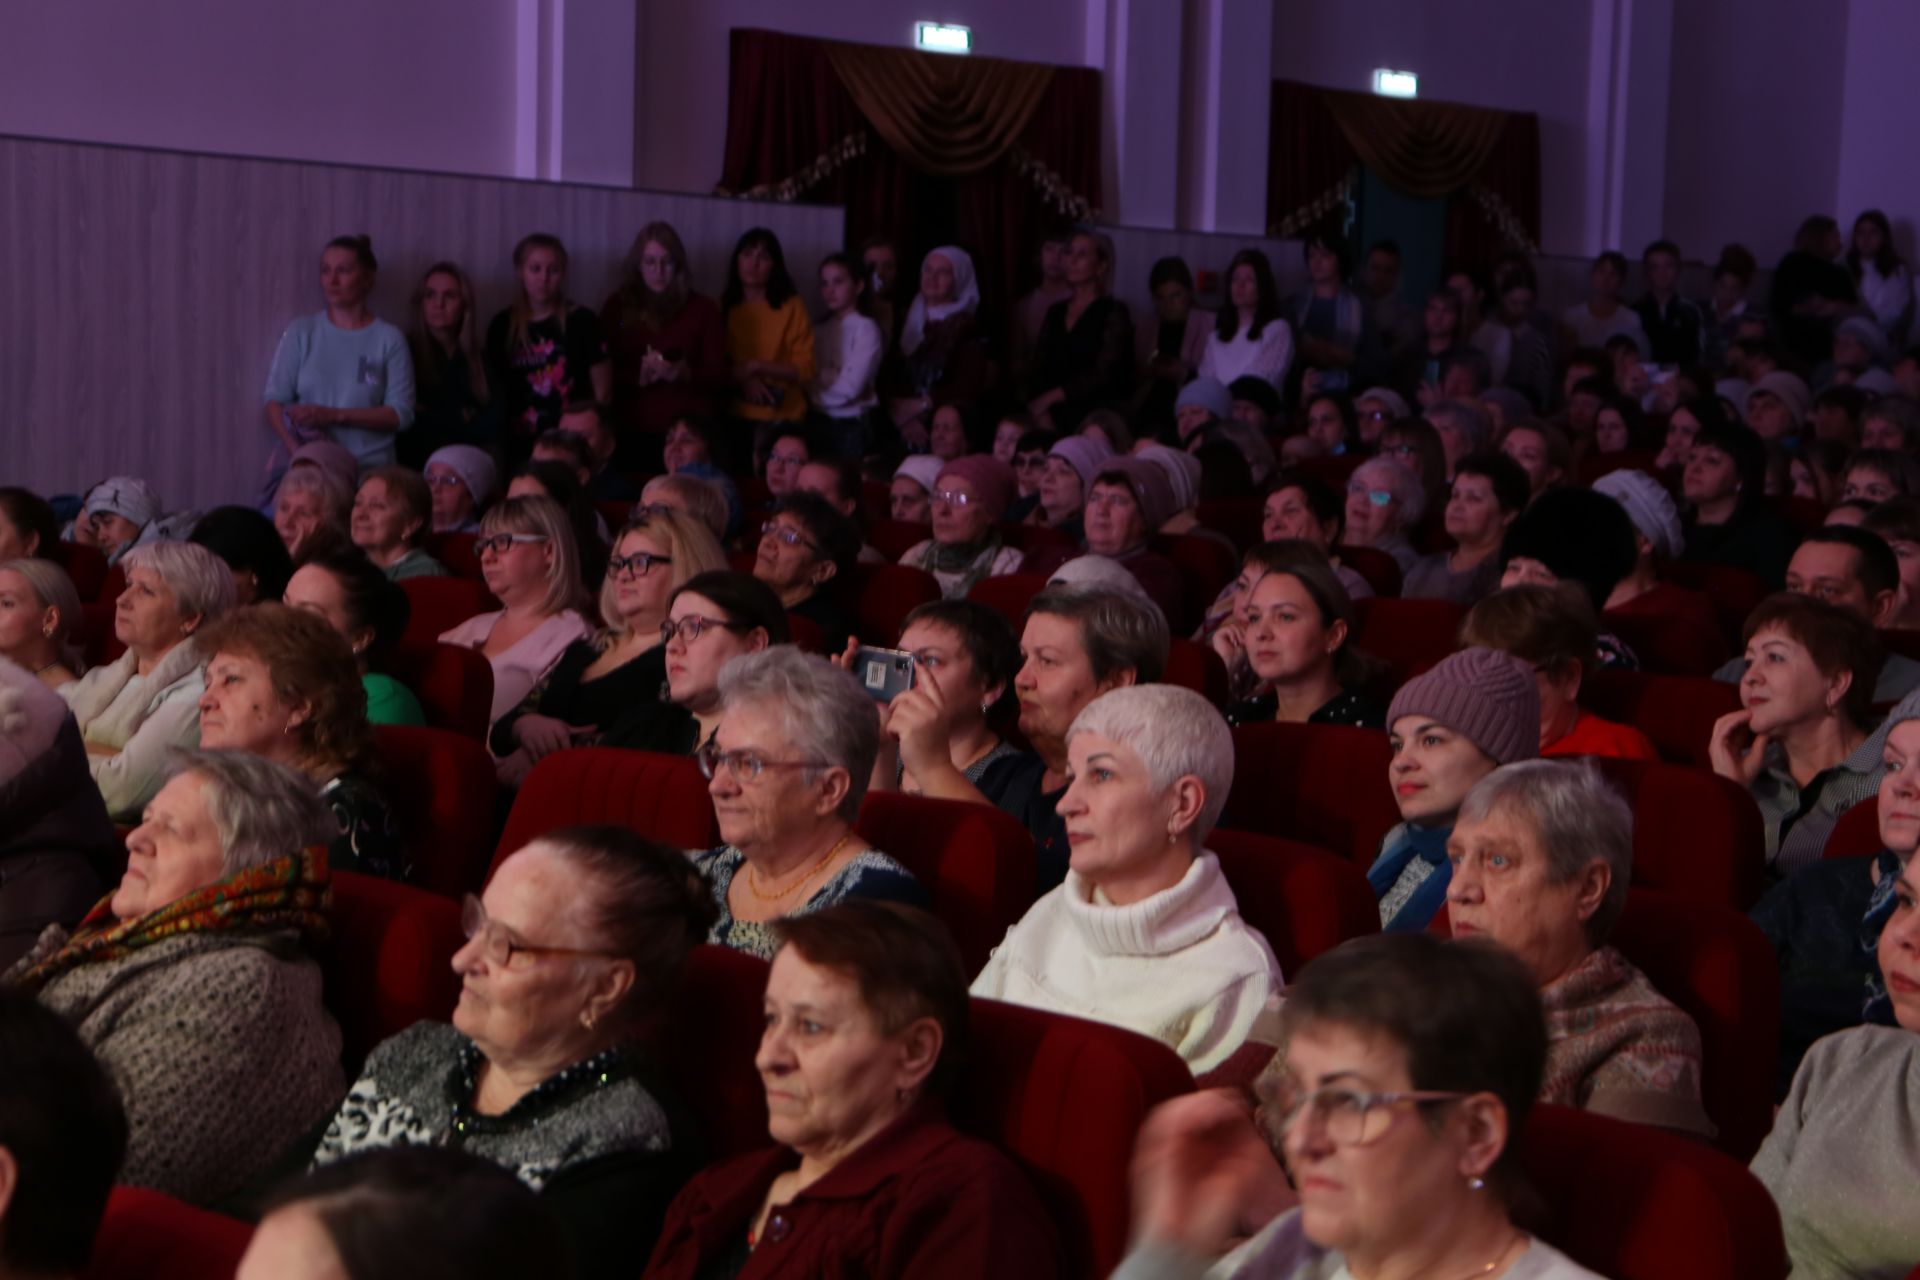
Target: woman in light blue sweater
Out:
[340,373]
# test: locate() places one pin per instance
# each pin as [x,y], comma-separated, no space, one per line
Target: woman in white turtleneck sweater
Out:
[1145,933]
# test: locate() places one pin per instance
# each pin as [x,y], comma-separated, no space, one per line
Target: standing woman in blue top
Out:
[341,374]
[544,351]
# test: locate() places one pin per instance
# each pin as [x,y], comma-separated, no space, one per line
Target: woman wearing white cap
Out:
[1641,594]
[115,516]
[910,499]
[463,479]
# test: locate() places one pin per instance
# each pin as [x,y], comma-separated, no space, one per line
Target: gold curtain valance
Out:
[1420,148]
[948,116]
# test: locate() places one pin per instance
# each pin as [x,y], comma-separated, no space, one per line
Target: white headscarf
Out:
[966,296]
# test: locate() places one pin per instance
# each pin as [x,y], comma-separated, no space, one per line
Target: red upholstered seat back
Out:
[87,566]
[1302,899]
[456,552]
[440,787]
[806,635]
[1381,570]
[1028,537]
[388,963]
[1321,784]
[1408,635]
[1669,644]
[1716,964]
[1238,518]
[1695,834]
[146,1235]
[662,797]
[1595,465]
[454,685]
[1633,1203]
[880,596]
[1195,666]
[894,538]
[976,862]
[1734,592]
[710,1055]
[1676,712]
[1206,565]
[438,605]
[1857,834]
[1009,594]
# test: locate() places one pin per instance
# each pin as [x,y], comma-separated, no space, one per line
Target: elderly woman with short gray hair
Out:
[1541,853]
[133,710]
[1145,933]
[788,766]
[192,982]
[1384,500]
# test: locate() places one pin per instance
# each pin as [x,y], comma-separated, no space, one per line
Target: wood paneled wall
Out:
[143,291]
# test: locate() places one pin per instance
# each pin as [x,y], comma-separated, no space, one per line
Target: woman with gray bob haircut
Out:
[787,767]
[1145,933]
[133,710]
[192,981]
[1541,853]
[1384,500]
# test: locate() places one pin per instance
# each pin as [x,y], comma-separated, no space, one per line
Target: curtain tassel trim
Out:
[1503,218]
[1309,214]
[1053,189]
[792,187]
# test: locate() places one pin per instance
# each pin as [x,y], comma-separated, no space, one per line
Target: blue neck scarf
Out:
[1430,845]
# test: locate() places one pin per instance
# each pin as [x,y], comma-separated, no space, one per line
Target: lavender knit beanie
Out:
[1485,695]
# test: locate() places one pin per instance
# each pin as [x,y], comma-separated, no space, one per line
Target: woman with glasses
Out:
[969,498]
[1384,501]
[1410,1067]
[804,546]
[530,564]
[605,688]
[787,769]
[463,479]
[572,960]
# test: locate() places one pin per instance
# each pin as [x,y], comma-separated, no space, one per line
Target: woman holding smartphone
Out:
[668,345]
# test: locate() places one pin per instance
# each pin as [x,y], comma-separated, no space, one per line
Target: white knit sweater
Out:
[1180,966]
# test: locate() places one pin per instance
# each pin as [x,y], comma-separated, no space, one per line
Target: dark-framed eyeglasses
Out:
[499,543]
[499,947]
[691,627]
[744,763]
[790,536]
[1349,1117]
[640,564]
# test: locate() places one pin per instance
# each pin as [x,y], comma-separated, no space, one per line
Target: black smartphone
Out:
[883,673]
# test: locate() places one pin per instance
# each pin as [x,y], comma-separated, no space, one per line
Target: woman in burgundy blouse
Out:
[668,344]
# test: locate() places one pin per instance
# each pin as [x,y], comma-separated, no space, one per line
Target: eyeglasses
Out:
[792,537]
[952,497]
[1378,497]
[500,542]
[647,510]
[498,947]
[1349,1117]
[744,764]
[640,562]
[443,479]
[690,628]
[1402,450]
[790,459]
[1375,415]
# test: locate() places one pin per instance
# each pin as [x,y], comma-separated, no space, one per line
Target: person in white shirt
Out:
[1145,933]
[1252,338]
[1880,274]
[1591,323]
[847,346]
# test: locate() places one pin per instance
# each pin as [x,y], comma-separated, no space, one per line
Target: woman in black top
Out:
[1297,626]
[1084,358]
[544,352]
[604,690]
[452,404]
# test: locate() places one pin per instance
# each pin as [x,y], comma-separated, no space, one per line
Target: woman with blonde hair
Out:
[38,611]
[667,341]
[544,351]
[450,375]
[531,565]
[605,688]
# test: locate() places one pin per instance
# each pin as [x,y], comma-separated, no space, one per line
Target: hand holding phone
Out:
[884,673]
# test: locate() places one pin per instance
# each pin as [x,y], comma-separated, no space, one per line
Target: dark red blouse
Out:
[695,335]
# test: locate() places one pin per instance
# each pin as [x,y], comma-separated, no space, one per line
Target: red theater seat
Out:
[1302,899]
[1206,565]
[1009,594]
[87,566]
[662,797]
[806,635]
[454,685]
[1716,964]
[455,551]
[1238,518]
[1734,592]
[1857,834]
[146,1235]
[1321,784]
[1669,644]
[440,786]
[1696,835]
[438,605]
[1195,666]
[880,596]
[976,862]
[1633,1203]
[894,538]
[1029,537]
[1676,712]
[1381,570]
[1408,635]
[388,963]
[1595,465]
[616,514]
[1063,1096]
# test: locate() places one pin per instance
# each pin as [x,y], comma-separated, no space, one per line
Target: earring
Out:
[1476,1184]
[586,1019]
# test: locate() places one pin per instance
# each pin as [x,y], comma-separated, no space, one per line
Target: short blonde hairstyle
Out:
[545,517]
[691,545]
[1176,733]
[335,498]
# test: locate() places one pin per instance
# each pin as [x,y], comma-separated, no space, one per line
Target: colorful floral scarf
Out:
[287,893]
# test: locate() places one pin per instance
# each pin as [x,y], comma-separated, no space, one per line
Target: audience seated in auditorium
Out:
[803,547]
[1897,523]
[847,348]
[1727,520]
[1463,427]
[1332,428]
[63,1134]
[1294,633]
[1128,502]
[28,526]
[283,684]
[530,564]
[135,708]
[411,1213]
[1541,854]
[1543,452]
[1030,455]
[1201,404]
[56,844]
[452,402]
[340,374]
[1452,726]
[251,547]
[1843,1160]
[1552,630]
[947,433]
[559,482]
[865,1033]
[1251,338]
[789,447]
[1072,463]
[464,480]
[1489,491]
[392,515]
[39,610]
[665,338]
[698,499]
[970,496]
[192,982]
[769,337]
[788,766]
[910,494]
[936,737]
[1801,742]
[838,481]
[1384,500]
[605,689]
[116,515]
[1658,539]
[354,598]
[594,428]
[544,350]
[712,618]
[572,960]
[1083,356]
[1145,932]
[311,508]
[1454,1028]
[1300,506]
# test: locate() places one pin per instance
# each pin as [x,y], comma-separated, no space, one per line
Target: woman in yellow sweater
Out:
[769,337]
